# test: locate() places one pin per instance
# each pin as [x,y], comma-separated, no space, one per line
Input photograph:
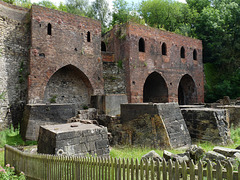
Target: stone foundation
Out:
[36,115]
[73,139]
[234,114]
[162,121]
[207,124]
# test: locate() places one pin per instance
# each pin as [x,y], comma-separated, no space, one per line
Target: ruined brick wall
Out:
[170,67]
[63,41]
[14,55]
[114,69]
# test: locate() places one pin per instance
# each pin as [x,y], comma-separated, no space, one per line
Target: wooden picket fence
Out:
[50,167]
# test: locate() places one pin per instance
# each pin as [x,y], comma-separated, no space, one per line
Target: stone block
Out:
[36,115]
[214,156]
[62,137]
[207,124]
[109,104]
[226,151]
[233,118]
[169,131]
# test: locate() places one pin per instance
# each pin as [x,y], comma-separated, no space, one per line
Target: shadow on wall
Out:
[187,91]
[155,89]
[69,85]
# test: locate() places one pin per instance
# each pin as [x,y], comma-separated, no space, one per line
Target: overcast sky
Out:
[56,2]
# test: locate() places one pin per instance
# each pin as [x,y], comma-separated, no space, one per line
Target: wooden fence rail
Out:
[50,167]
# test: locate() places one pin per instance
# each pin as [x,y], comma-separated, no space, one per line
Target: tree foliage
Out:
[218,26]
[100,11]
[123,12]
[79,7]
[170,15]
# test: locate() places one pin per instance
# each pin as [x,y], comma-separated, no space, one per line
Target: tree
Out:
[199,5]
[169,15]
[101,12]
[123,12]
[47,4]
[9,1]
[218,26]
[79,7]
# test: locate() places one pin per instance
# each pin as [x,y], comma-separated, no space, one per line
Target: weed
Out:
[120,64]
[2,95]
[85,107]
[53,99]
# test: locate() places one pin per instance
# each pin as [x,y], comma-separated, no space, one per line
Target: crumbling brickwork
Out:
[173,60]
[62,40]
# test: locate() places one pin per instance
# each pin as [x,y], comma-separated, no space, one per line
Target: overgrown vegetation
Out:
[13,138]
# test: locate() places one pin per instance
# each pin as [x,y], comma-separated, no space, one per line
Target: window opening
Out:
[141,45]
[88,37]
[194,54]
[49,29]
[164,49]
[103,46]
[182,52]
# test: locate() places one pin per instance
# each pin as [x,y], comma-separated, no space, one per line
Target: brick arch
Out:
[68,85]
[187,90]
[155,89]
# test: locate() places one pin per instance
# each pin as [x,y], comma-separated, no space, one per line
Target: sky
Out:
[56,2]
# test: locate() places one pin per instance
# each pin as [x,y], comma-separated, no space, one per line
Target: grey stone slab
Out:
[226,151]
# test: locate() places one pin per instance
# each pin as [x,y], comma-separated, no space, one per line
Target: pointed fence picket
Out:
[40,166]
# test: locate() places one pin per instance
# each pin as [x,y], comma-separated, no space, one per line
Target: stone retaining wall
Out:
[165,115]
[207,124]
[36,115]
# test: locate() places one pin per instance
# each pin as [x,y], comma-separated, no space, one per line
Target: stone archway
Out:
[187,91]
[155,89]
[68,85]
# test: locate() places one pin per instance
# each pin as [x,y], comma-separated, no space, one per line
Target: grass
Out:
[8,136]
[2,158]
[137,152]
[13,138]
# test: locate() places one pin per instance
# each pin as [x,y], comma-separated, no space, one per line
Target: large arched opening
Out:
[187,92]
[69,85]
[155,89]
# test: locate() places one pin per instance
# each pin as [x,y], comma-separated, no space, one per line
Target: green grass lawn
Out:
[1,158]
[13,138]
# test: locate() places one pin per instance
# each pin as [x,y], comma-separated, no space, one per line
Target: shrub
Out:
[8,172]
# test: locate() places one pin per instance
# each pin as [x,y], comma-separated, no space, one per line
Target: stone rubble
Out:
[196,153]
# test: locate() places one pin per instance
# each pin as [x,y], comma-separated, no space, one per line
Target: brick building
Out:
[49,56]
[65,58]
[159,66]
